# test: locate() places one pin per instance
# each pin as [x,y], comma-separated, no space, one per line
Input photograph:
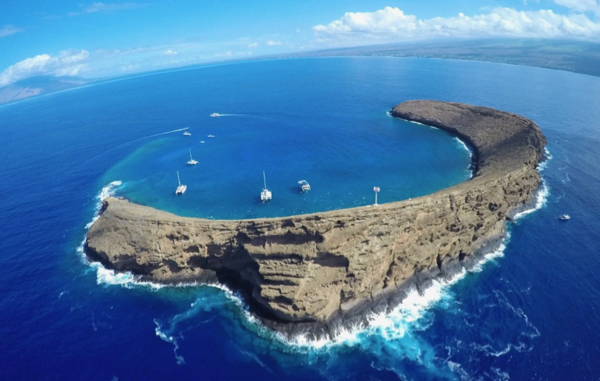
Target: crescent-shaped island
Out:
[312,274]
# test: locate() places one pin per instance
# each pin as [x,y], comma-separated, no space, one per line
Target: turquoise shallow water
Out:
[529,312]
[342,143]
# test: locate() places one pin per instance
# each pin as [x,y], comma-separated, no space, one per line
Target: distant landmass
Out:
[576,56]
[38,85]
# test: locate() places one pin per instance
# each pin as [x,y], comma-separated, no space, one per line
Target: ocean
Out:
[528,311]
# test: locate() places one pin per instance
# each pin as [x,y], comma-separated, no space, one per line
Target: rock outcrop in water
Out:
[312,273]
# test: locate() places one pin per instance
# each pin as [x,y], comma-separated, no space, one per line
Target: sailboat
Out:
[265,195]
[191,161]
[181,188]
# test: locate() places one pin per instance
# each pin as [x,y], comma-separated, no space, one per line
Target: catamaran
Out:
[187,134]
[265,195]
[191,161]
[181,188]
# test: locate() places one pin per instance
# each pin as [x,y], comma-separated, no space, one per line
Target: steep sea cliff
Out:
[315,272]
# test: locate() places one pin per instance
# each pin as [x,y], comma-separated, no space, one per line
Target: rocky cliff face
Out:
[314,272]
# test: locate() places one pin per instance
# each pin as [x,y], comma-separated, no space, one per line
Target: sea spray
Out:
[540,197]
[107,191]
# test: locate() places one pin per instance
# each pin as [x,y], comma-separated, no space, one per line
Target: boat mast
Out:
[265,180]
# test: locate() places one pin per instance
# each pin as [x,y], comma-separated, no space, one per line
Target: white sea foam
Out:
[544,164]
[107,191]
[498,253]
[465,146]
[406,317]
[457,368]
[541,197]
[126,279]
[103,275]
[169,339]
[470,151]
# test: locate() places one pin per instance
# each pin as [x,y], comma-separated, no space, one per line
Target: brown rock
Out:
[314,272]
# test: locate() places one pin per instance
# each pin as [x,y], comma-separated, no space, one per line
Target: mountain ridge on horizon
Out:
[581,57]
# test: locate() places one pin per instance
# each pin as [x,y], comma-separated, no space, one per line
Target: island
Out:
[313,274]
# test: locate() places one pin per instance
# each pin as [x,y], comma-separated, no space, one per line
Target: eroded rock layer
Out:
[314,272]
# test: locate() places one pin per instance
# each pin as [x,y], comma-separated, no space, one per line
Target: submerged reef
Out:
[311,274]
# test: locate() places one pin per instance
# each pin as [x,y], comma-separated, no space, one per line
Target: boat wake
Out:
[169,132]
[218,115]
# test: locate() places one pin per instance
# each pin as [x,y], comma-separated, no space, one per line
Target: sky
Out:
[103,39]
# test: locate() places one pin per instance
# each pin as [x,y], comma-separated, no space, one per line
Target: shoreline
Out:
[300,342]
[288,274]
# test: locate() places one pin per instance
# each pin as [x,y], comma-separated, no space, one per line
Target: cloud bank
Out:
[392,24]
[67,63]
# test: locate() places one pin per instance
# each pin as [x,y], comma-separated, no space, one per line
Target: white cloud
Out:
[581,5]
[253,45]
[67,63]
[8,29]
[170,52]
[274,43]
[392,24]
[103,7]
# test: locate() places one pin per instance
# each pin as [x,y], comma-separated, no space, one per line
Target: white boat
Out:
[181,188]
[211,136]
[187,134]
[191,161]
[304,186]
[215,115]
[265,195]
[202,141]
[564,217]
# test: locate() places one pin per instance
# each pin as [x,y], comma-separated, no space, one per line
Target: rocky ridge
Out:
[313,273]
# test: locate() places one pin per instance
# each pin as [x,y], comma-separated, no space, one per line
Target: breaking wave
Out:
[543,191]
[104,275]
[107,191]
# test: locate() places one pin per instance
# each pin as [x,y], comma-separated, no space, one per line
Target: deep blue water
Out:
[530,312]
